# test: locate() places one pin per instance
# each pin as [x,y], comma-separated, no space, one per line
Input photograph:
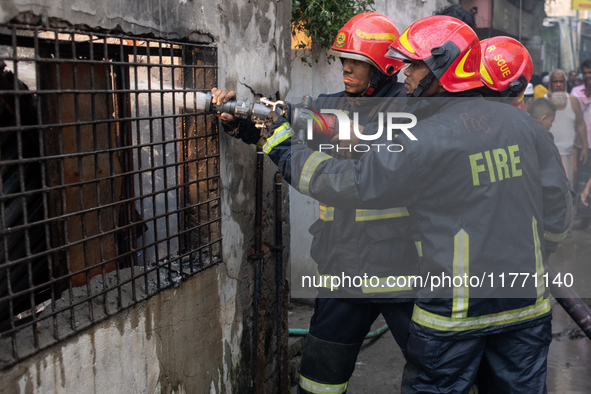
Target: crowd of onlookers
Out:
[562,104]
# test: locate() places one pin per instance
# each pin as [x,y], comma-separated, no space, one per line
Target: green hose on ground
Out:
[300,332]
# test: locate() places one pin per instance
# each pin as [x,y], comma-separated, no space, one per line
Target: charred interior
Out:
[109,187]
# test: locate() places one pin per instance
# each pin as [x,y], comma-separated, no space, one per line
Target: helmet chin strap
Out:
[515,87]
[376,80]
[442,58]
[423,85]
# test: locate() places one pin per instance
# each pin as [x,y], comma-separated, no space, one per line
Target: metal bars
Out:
[109,180]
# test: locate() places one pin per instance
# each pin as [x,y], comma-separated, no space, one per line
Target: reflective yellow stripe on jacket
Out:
[280,134]
[326,281]
[364,215]
[326,213]
[539,261]
[443,323]
[419,247]
[461,267]
[308,170]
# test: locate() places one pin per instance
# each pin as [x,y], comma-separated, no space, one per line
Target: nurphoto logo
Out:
[392,124]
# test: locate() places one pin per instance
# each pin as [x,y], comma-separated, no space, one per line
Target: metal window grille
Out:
[109,186]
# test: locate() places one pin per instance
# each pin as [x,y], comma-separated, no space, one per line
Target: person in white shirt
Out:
[567,123]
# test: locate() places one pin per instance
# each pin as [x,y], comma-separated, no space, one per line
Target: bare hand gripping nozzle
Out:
[257,111]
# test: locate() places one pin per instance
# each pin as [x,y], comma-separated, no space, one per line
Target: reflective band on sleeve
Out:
[385,286]
[326,281]
[280,134]
[443,323]
[363,215]
[419,246]
[308,170]
[552,237]
[539,261]
[326,213]
[320,388]
[461,267]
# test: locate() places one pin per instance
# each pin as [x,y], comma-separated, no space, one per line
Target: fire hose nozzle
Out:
[257,111]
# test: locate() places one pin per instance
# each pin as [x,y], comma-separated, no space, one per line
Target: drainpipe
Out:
[257,371]
[279,288]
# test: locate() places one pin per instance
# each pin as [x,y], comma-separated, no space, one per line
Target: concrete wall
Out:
[323,77]
[196,338]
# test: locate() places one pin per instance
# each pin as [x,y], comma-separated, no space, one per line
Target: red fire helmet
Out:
[448,46]
[506,66]
[366,37]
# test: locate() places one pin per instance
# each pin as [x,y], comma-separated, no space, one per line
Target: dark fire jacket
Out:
[486,193]
[371,242]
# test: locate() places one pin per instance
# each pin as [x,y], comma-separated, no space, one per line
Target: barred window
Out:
[109,186]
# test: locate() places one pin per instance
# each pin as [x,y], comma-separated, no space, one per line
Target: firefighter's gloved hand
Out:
[242,130]
[250,135]
[275,121]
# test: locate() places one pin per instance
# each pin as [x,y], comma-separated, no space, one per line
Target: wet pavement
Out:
[569,359]
[380,362]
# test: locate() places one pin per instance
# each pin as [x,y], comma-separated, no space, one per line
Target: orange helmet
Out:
[506,66]
[448,46]
[366,37]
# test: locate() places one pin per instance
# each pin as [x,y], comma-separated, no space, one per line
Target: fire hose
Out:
[572,304]
[298,332]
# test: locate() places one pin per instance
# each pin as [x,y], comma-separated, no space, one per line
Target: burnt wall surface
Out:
[196,338]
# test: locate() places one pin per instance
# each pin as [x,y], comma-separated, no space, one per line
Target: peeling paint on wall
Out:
[195,338]
[85,364]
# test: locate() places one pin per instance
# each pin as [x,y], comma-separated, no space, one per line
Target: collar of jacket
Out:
[425,107]
[467,93]
[390,88]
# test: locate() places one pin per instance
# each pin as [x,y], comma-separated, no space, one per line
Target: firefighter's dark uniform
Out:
[486,192]
[356,242]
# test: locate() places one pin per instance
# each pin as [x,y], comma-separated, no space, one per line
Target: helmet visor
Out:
[395,54]
[354,56]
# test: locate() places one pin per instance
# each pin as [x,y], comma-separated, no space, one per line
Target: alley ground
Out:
[380,362]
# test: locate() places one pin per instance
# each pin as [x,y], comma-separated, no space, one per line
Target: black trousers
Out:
[337,330]
[514,361]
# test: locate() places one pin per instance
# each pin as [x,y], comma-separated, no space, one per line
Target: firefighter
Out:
[505,70]
[348,241]
[486,192]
